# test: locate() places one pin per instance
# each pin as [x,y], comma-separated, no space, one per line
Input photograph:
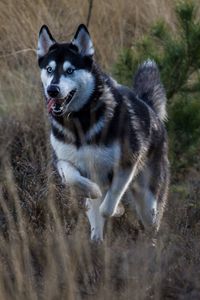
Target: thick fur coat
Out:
[109,141]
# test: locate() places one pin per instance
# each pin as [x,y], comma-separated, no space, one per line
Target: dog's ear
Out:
[83,41]
[45,41]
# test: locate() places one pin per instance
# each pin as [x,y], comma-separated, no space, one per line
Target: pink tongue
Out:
[50,104]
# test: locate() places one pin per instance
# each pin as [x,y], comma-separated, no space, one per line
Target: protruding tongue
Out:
[50,104]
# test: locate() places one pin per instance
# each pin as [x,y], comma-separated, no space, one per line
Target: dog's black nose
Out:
[53,90]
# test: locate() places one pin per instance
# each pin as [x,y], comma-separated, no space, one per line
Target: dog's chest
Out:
[93,161]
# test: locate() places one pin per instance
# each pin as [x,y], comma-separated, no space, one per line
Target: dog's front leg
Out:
[120,183]
[72,178]
[95,218]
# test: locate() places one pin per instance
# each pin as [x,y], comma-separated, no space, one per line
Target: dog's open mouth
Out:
[57,105]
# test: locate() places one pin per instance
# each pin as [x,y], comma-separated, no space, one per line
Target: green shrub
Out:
[178,55]
[184,131]
[178,58]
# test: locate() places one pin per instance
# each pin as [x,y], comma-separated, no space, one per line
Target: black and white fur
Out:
[109,141]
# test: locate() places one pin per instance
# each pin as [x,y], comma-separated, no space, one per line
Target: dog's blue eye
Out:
[70,71]
[49,70]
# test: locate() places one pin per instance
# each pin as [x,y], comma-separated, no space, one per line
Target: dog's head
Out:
[66,70]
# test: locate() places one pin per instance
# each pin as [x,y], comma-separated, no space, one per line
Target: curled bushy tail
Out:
[148,87]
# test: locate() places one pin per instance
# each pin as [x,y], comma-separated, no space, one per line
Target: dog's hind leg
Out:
[95,218]
[150,194]
[146,207]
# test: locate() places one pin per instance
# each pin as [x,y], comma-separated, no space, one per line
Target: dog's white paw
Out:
[94,191]
[96,237]
[105,210]
[86,188]
[96,233]
[119,211]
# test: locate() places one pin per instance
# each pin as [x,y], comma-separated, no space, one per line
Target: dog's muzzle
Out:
[57,106]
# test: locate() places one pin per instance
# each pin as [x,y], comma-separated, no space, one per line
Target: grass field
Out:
[45,252]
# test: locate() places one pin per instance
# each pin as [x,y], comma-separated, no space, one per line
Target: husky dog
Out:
[109,141]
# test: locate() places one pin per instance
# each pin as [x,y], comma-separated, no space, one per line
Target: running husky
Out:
[109,141]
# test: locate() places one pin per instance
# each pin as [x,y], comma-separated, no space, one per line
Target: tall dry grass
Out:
[45,252]
[113,24]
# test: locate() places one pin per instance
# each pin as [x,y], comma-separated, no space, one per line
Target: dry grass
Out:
[113,24]
[45,251]
[124,19]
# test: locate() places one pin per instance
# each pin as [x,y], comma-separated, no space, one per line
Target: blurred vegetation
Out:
[45,251]
[178,58]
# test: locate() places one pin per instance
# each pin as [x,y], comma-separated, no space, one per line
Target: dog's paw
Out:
[106,211]
[96,237]
[119,211]
[107,208]
[87,189]
[94,191]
